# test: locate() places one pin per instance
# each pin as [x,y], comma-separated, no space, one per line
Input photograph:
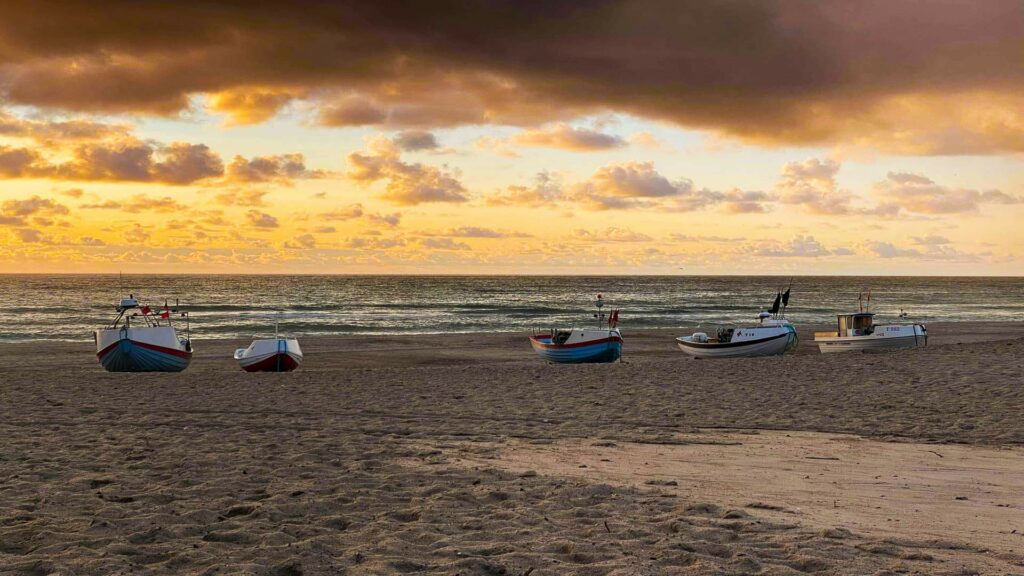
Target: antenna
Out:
[869,300]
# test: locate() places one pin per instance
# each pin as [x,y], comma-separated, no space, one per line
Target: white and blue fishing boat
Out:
[143,340]
[582,345]
[773,335]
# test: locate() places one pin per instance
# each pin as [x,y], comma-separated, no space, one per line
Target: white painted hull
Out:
[872,343]
[773,345]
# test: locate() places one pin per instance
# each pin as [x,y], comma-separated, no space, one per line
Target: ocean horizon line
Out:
[495,275]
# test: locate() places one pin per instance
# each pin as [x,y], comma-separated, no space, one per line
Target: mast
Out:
[785,298]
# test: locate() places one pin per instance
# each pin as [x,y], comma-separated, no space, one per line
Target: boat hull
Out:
[270,355]
[283,362]
[774,345]
[829,345]
[135,351]
[603,350]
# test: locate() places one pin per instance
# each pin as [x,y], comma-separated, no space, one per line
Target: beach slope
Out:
[386,455]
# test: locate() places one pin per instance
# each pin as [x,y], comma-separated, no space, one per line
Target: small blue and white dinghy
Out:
[142,340]
[582,345]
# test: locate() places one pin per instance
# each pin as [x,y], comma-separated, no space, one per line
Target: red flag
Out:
[165,314]
[146,310]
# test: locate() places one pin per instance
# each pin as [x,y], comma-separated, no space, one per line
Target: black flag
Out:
[785,297]
[775,305]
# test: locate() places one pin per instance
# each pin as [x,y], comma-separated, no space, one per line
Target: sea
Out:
[69,307]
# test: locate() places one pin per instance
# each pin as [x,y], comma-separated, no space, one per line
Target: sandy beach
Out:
[466,455]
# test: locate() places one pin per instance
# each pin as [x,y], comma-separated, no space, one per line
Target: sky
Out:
[505,137]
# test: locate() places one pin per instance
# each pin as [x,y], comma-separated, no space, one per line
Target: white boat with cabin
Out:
[858,332]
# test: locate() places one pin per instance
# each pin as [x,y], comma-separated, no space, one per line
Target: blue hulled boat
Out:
[582,345]
[142,340]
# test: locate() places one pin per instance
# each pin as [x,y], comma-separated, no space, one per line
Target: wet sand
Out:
[462,454]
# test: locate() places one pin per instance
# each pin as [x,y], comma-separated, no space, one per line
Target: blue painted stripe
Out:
[602,352]
[127,357]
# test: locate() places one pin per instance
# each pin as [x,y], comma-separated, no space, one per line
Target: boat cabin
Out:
[859,324]
[127,303]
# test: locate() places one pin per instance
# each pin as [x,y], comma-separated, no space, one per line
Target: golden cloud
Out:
[812,184]
[118,156]
[629,186]
[567,137]
[49,131]
[241,197]
[545,191]
[301,242]
[127,160]
[612,234]
[140,203]
[920,194]
[407,183]
[637,185]
[280,168]
[258,219]
[250,105]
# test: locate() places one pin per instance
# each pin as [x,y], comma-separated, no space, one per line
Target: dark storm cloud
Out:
[775,72]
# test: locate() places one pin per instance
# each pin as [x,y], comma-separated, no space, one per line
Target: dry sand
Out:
[461,455]
[896,491]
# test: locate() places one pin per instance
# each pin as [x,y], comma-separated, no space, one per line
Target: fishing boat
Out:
[773,335]
[275,354]
[858,332]
[143,340]
[582,345]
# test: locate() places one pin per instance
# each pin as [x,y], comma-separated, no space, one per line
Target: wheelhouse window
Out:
[861,322]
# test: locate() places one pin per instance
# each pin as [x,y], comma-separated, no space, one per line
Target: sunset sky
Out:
[606,137]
